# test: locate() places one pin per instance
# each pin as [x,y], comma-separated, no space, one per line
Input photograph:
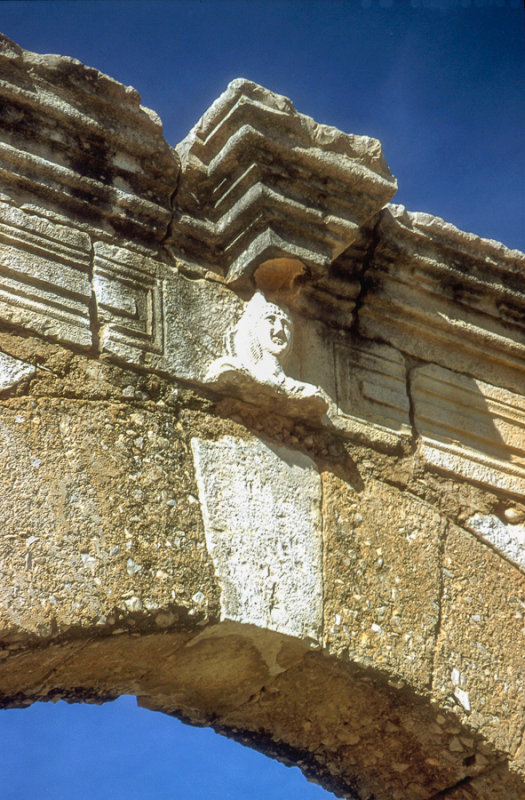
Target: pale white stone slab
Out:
[12,371]
[261,507]
[508,539]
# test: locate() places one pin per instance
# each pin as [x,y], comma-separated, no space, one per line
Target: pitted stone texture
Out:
[479,668]
[261,506]
[12,371]
[80,144]
[470,428]
[374,743]
[113,526]
[446,296]
[382,578]
[238,210]
[497,784]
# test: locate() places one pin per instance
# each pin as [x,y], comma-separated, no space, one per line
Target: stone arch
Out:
[321,555]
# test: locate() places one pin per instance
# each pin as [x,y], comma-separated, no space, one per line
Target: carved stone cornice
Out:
[79,143]
[446,296]
[261,182]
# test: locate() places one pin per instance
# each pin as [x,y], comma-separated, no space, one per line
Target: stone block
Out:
[113,521]
[128,289]
[262,183]
[12,371]
[151,316]
[498,784]
[382,578]
[479,668]
[261,507]
[371,385]
[507,538]
[375,742]
[79,144]
[44,276]
[446,296]
[364,381]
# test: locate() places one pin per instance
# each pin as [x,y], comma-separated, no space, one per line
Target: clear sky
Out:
[441,83]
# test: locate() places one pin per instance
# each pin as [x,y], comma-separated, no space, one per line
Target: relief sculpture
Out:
[253,367]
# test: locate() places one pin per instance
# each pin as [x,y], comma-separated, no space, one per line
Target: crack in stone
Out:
[466,782]
[437,627]
[361,276]
[94,322]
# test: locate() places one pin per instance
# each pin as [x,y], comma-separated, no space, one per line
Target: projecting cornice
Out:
[394,326]
[246,409]
[446,296]
[262,183]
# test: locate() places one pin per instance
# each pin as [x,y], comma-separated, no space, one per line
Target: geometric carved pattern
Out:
[129,300]
[44,276]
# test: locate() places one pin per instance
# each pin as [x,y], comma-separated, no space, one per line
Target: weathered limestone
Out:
[77,143]
[234,202]
[45,284]
[262,453]
[470,428]
[12,371]
[509,539]
[447,296]
[257,350]
[262,519]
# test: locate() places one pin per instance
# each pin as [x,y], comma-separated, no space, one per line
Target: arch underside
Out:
[346,726]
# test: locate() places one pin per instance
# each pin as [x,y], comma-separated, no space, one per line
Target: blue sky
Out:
[441,83]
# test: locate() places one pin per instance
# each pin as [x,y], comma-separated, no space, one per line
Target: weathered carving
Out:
[447,296]
[129,299]
[44,276]
[257,348]
[83,147]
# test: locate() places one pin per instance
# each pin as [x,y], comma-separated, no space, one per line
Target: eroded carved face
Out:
[275,332]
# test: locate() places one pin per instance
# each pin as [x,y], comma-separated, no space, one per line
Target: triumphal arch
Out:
[262,436]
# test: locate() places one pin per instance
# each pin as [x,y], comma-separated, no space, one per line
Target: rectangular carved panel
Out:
[471,428]
[44,276]
[371,384]
[261,508]
[129,294]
